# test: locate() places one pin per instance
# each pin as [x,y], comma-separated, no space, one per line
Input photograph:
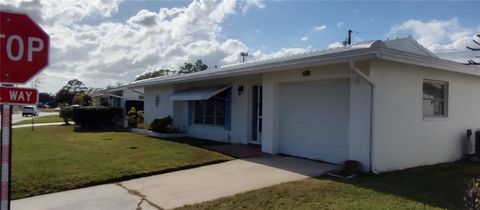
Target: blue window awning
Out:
[198,93]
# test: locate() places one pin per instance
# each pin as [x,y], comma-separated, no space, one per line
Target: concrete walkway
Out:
[180,188]
[37,125]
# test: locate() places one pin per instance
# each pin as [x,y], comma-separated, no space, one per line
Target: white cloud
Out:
[305,38]
[335,45]
[145,18]
[111,50]
[320,28]
[340,24]
[49,12]
[436,35]
[247,4]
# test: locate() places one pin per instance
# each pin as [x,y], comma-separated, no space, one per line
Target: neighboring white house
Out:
[389,104]
[122,97]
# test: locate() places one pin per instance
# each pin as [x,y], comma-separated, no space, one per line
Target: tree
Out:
[114,85]
[152,74]
[75,86]
[77,100]
[69,91]
[86,99]
[471,61]
[189,67]
[64,96]
[46,99]
[83,99]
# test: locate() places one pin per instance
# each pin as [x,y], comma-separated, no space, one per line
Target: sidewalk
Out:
[176,189]
[37,125]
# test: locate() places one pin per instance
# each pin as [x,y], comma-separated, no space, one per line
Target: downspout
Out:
[372,85]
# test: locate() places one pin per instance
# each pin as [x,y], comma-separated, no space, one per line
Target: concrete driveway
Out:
[180,188]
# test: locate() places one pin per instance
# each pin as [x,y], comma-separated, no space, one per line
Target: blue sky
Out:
[109,41]
[282,24]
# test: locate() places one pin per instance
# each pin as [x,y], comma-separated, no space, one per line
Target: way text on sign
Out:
[18,96]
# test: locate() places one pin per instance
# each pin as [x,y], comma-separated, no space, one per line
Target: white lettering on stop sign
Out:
[34,44]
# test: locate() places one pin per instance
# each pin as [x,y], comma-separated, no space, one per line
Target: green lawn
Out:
[55,158]
[433,187]
[43,119]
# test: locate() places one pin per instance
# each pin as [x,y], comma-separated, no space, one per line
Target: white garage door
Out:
[314,119]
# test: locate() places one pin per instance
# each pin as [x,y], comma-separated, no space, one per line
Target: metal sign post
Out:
[6,137]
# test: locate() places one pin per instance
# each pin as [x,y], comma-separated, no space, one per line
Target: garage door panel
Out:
[314,119]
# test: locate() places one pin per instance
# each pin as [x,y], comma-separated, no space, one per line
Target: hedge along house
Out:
[387,104]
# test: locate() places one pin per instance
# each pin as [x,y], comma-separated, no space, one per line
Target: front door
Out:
[256,137]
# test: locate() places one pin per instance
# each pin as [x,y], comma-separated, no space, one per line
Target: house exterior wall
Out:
[240,106]
[164,107]
[359,128]
[402,137]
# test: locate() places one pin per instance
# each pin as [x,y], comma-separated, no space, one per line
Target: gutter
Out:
[372,88]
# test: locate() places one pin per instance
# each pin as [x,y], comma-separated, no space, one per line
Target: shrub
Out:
[472,196]
[96,117]
[140,116]
[134,118]
[144,126]
[161,125]
[66,114]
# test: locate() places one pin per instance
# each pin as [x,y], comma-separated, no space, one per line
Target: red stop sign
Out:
[24,48]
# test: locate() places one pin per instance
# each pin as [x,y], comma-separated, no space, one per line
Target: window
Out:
[435,98]
[212,111]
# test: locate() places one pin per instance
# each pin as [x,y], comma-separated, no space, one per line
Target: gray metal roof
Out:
[367,49]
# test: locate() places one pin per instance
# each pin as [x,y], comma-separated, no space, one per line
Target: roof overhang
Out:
[426,61]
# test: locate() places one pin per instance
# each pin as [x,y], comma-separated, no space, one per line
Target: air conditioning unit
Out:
[477,144]
[470,149]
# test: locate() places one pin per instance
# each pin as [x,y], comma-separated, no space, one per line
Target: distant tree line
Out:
[184,69]
[75,91]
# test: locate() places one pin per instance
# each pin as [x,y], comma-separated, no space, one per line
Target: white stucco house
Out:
[122,97]
[388,104]
[117,96]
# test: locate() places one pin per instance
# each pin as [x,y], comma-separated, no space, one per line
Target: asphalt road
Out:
[18,117]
